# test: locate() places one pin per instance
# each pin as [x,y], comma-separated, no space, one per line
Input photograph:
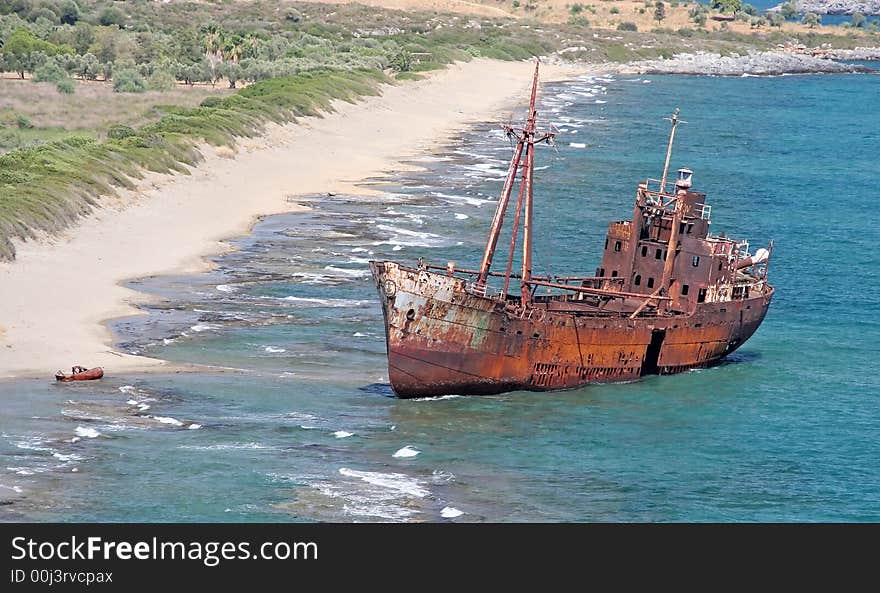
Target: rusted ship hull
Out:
[442,338]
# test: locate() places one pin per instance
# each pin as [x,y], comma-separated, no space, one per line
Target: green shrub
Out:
[23,122]
[160,80]
[614,10]
[128,81]
[627,26]
[49,72]
[118,132]
[211,102]
[112,16]
[65,86]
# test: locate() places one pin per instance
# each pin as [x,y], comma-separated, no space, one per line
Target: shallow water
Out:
[295,420]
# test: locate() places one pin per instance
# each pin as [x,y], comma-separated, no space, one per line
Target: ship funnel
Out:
[685,177]
[761,255]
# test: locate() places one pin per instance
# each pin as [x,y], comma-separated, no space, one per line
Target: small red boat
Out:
[80,373]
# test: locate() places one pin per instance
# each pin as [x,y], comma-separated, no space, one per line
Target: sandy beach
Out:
[55,298]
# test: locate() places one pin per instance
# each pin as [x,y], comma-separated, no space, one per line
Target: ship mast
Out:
[672,245]
[525,145]
[675,122]
[529,134]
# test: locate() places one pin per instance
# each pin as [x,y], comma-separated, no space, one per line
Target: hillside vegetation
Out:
[124,87]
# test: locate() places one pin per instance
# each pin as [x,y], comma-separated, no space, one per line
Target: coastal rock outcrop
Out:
[753,63]
[866,7]
[864,54]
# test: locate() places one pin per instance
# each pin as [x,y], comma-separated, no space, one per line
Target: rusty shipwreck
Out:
[666,297]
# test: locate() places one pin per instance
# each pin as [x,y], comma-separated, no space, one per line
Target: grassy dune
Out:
[45,188]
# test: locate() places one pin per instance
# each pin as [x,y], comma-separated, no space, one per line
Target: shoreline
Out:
[66,289]
[173,224]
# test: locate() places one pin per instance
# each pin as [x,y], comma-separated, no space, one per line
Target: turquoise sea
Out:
[296,422]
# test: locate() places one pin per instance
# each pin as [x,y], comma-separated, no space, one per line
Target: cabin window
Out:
[638,280]
[664,253]
[720,263]
[600,272]
[606,242]
[614,273]
[650,283]
[684,289]
[681,227]
[657,255]
[617,246]
[696,261]
[701,296]
[644,250]
[690,228]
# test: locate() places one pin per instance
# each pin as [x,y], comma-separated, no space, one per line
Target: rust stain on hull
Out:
[442,340]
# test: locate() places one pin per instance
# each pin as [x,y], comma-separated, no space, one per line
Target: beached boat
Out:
[79,373]
[666,297]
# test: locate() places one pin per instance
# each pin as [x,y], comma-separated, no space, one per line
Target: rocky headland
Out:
[769,63]
[866,7]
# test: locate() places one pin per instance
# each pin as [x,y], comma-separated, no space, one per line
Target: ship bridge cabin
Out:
[637,250]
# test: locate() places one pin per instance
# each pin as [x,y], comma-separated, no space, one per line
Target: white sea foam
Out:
[225,447]
[226,288]
[359,335]
[397,482]
[357,260]
[273,350]
[68,457]
[201,327]
[450,512]
[342,434]
[33,444]
[460,216]
[406,232]
[132,402]
[127,389]
[167,341]
[433,399]
[143,407]
[358,250]
[311,278]
[397,248]
[600,102]
[327,302]
[168,420]
[16,489]
[577,144]
[89,433]
[194,426]
[406,452]
[348,271]
[466,199]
